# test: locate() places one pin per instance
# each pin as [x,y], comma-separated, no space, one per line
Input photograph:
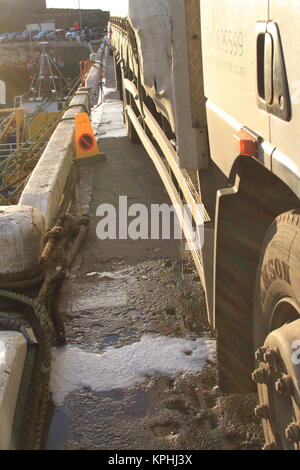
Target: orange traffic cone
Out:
[85,141]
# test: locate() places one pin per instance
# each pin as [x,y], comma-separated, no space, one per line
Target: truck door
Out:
[284,27]
[230,30]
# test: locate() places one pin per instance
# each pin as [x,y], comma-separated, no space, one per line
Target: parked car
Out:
[72,34]
[49,36]
[37,36]
[41,36]
[58,34]
[25,35]
[4,37]
[12,36]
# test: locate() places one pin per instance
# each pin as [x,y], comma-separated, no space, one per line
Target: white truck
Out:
[212,90]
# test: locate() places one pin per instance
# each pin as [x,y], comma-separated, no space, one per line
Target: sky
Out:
[116,7]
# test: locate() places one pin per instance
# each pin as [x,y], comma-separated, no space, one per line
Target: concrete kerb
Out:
[45,187]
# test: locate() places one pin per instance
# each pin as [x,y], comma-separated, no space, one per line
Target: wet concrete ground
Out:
[121,293]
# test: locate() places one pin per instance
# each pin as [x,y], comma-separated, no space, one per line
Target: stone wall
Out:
[15,14]
[65,18]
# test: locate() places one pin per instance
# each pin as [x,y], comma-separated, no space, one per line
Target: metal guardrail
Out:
[17,163]
[67,91]
[8,149]
[119,23]
[16,168]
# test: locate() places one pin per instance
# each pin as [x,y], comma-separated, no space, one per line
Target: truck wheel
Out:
[276,323]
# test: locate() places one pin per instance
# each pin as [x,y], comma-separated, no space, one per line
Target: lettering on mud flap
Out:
[272,271]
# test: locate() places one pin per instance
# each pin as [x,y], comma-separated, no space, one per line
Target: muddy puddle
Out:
[139,370]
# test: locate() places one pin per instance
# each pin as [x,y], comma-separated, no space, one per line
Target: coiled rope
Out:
[62,244]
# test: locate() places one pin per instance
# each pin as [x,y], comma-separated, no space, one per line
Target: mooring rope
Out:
[62,244]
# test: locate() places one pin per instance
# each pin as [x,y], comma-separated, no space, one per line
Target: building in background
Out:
[66,18]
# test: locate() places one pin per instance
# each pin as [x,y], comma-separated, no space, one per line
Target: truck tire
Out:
[276,310]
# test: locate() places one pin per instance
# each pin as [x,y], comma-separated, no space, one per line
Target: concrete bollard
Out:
[21,237]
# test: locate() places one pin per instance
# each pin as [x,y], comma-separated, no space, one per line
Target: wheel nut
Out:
[260,376]
[292,432]
[283,386]
[262,411]
[260,353]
